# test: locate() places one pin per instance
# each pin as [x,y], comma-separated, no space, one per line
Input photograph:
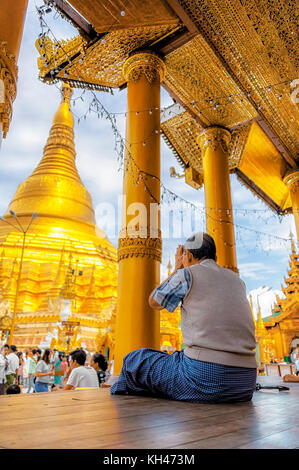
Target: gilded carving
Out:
[214,137]
[292,181]
[99,64]
[267,57]
[144,247]
[9,75]
[144,63]
[180,134]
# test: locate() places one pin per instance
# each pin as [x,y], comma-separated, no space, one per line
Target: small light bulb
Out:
[103,40]
[122,13]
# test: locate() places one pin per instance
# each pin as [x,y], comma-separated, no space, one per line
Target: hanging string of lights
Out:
[127,162]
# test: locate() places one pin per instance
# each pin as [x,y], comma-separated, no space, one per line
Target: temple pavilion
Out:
[277,334]
[231,69]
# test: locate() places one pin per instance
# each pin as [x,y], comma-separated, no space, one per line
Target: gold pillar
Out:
[213,142]
[139,250]
[12,16]
[292,181]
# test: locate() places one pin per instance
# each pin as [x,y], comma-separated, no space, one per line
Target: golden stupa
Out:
[63,268]
[281,328]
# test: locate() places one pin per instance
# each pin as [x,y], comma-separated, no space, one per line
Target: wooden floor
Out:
[93,419]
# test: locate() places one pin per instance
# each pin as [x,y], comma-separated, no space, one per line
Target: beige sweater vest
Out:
[217,322]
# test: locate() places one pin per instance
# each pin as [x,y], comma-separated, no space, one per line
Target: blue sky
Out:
[261,262]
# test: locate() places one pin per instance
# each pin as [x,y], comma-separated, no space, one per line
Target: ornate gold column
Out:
[219,217]
[139,250]
[12,16]
[291,179]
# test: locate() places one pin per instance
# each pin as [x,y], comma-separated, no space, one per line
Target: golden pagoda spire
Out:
[89,304]
[2,271]
[55,189]
[251,308]
[68,289]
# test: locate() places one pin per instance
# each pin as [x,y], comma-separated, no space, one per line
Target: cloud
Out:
[265,298]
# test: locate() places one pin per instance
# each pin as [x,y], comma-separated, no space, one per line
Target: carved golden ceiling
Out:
[103,62]
[235,69]
[198,78]
[258,39]
[105,15]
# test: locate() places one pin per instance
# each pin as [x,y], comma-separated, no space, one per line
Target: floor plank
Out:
[93,419]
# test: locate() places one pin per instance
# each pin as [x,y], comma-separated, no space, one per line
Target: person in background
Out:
[58,371]
[31,370]
[19,375]
[80,376]
[2,371]
[297,364]
[99,363]
[38,355]
[111,368]
[43,372]
[13,389]
[13,363]
[64,364]
[67,372]
[25,370]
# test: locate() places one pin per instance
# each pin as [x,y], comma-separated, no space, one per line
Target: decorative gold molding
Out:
[144,247]
[291,179]
[9,75]
[213,137]
[144,63]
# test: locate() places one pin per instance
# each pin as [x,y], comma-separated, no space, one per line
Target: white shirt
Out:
[13,363]
[83,376]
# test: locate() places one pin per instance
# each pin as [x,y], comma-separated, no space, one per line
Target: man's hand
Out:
[179,257]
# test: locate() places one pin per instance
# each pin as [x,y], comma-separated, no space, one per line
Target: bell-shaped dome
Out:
[55,189]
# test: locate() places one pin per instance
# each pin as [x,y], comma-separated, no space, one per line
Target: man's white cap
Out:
[194,242]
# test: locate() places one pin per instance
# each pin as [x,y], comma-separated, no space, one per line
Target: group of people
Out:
[218,363]
[36,371]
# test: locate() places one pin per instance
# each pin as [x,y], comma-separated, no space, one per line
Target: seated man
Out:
[218,363]
[81,376]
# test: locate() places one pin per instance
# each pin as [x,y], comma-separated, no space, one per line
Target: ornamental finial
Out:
[66,92]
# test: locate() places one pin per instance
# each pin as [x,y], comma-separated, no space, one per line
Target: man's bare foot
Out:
[290,378]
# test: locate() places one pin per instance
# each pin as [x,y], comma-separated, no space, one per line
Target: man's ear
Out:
[190,257]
